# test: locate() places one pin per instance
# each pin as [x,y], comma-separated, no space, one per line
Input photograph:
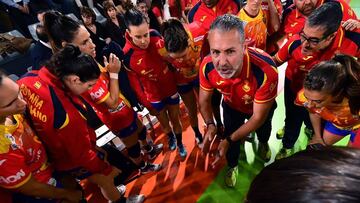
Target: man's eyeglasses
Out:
[313,41]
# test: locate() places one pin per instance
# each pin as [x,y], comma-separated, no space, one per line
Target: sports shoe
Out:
[231,176]
[309,133]
[122,189]
[155,151]
[150,167]
[172,142]
[280,133]
[283,153]
[135,199]
[182,151]
[264,151]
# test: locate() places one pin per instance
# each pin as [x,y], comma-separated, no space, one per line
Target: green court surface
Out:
[355,4]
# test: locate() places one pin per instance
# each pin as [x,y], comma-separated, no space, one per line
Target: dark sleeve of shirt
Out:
[39,55]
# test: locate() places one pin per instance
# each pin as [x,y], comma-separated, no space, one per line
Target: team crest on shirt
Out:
[247,99]
[37,85]
[246,86]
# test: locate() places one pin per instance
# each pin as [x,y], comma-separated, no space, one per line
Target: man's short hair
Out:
[328,16]
[227,23]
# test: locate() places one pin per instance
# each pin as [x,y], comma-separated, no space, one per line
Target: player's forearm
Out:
[205,106]
[316,123]
[257,119]
[113,100]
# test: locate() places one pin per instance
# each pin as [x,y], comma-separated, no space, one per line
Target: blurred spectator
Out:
[41,52]
[157,7]
[142,6]
[98,33]
[115,24]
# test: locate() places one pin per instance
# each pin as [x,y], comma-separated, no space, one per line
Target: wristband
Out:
[114,76]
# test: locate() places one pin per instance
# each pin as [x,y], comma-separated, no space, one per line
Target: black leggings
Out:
[294,117]
[233,119]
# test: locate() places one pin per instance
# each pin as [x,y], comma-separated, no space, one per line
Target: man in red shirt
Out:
[295,16]
[247,79]
[154,84]
[205,11]
[321,38]
[24,166]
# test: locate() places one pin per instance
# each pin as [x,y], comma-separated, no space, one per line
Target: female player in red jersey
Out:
[112,107]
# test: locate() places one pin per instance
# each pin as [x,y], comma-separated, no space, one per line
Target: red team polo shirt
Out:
[188,70]
[206,16]
[345,42]
[116,119]
[257,81]
[60,121]
[148,71]
[21,156]
[294,21]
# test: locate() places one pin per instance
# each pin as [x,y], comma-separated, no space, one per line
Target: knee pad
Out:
[134,151]
[142,134]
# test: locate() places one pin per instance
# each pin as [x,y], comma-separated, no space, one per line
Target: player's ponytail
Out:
[71,61]
[339,77]
[352,88]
